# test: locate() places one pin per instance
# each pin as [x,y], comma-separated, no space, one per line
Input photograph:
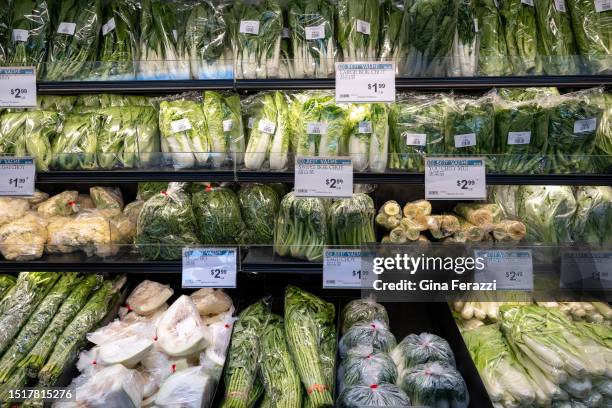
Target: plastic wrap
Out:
[76,145]
[373,395]
[311,337]
[24,239]
[591,22]
[241,368]
[6,283]
[60,103]
[435,384]
[351,221]
[119,329]
[127,350]
[278,372]
[166,224]
[359,29]
[74,40]
[4,29]
[150,189]
[148,297]
[106,198]
[363,310]
[471,126]
[211,301]
[556,45]
[12,208]
[466,43]
[192,387]
[132,211]
[592,223]
[365,366]
[224,124]
[179,329]
[484,216]
[110,142]
[40,129]
[312,25]
[422,348]
[11,130]
[368,136]
[520,29]
[417,128]
[114,386]
[218,336]
[118,51]
[373,334]
[268,128]
[259,205]
[217,214]
[394,31]
[62,204]
[301,228]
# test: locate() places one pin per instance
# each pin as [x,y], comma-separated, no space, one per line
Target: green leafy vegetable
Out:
[29,33]
[75,147]
[592,26]
[119,43]
[217,214]
[259,205]
[556,45]
[492,51]
[351,221]
[359,29]
[592,222]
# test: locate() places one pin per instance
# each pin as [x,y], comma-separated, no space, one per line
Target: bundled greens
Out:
[373,395]
[259,206]
[359,29]
[592,26]
[368,136]
[74,40]
[393,36]
[464,54]
[520,29]
[372,334]
[492,50]
[351,221]
[224,126]
[365,366]
[6,283]
[119,44]
[470,126]
[421,348]
[363,310]
[75,147]
[435,384]
[40,129]
[592,223]
[29,33]
[556,45]
[217,215]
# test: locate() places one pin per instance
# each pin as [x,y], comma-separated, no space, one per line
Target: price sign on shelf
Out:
[17,87]
[510,269]
[365,81]
[209,267]
[452,178]
[343,269]
[330,177]
[17,176]
[588,270]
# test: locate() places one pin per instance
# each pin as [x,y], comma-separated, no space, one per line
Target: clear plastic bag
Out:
[41,127]
[359,29]
[492,50]
[118,50]
[24,239]
[592,223]
[591,25]
[259,205]
[422,348]
[373,334]
[556,45]
[365,366]
[189,388]
[351,221]
[367,136]
[114,386]
[12,209]
[520,28]
[471,126]
[62,204]
[363,310]
[76,146]
[179,330]
[148,297]
[466,43]
[218,217]
[373,395]
[89,231]
[107,198]
[218,336]
[224,125]
[435,384]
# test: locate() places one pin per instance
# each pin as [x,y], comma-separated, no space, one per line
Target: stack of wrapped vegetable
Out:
[376,371]
[289,361]
[155,354]
[44,318]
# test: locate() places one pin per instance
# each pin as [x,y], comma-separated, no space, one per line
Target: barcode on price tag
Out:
[251,122]
[17,87]
[361,82]
[330,177]
[286,33]
[266,126]
[209,267]
[560,6]
[454,178]
[315,32]
[465,140]
[476,28]
[342,269]
[365,127]
[528,2]
[586,125]
[20,35]
[509,269]
[416,139]
[66,28]
[17,176]
[228,125]
[109,26]
[363,27]
[180,125]
[316,128]
[519,138]
[603,5]
[249,27]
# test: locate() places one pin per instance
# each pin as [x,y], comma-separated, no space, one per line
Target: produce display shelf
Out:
[175,86]
[390,177]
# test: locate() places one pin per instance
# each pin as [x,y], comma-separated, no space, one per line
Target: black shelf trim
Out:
[132,87]
[118,176]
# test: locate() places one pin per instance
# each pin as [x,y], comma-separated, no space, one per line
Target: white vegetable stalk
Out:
[180,148]
[257,150]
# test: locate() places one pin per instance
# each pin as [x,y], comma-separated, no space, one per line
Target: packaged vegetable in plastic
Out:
[363,310]
[63,204]
[132,211]
[217,214]
[312,25]
[11,130]
[435,383]
[359,29]
[509,231]
[301,228]
[166,224]
[40,129]
[422,348]
[484,216]
[192,387]
[464,53]
[311,337]
[389,215]
[55,103]
[224,123]
[417,128]
[183,133]
[76,145]
[12,208]
[351,221]
[365,366]
[492,53]
[28,31]
[374,334]
[74,41]
[148,189]
[556,45]
[368,136]
[278,371]
[217,336]
[179,330]
[592,223]
[393,41]
[141,136]
[118,51]
[241,368]
[24,238]
[259,205]
[373,395]
[520,28]
[6,283]
[148,296]
[113,132]
[106,198]
[591,27]
[113,386]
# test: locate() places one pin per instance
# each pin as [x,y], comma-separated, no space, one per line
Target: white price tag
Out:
[316,128]
[603,5]
[66,28]
[109,26]
[330,177]
[228,125]
[342,269]
[17,176]
[365,81]
[365,127]
[20,35]
[175,35]
[465,140]
[587,270]
[251,122]
[315,32]
[249,27]
[586,125]
[17,87]
[416,139]
[455,178]
[510,269]
[286,33]
[363,27]
[476,28]
[528,2]
[266,126]
[560,6]
[519,138]
[209,267]
[180,125]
